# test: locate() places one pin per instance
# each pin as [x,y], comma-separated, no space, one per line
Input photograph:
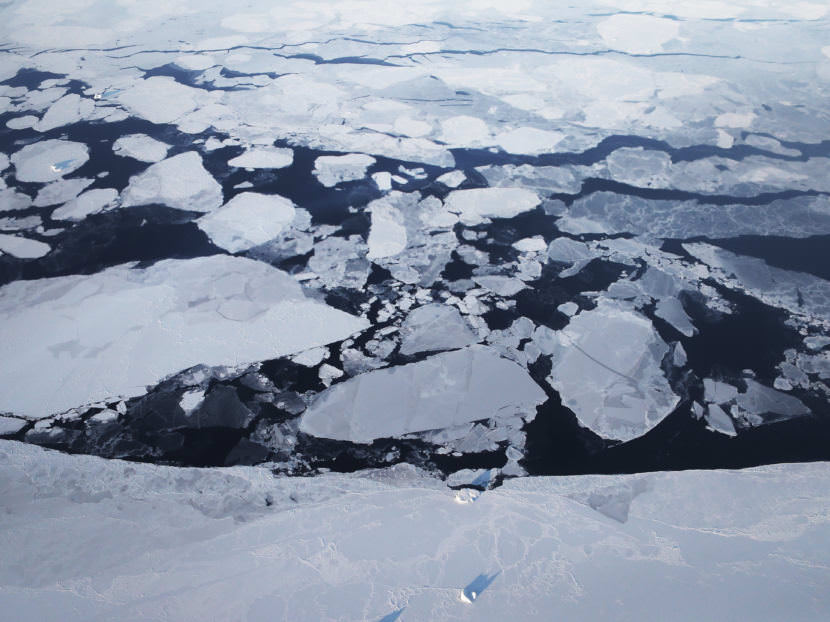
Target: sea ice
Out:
[264,157]
[333,170]
[434,327]
[67,110]
[49,160]
[478,205]
[387,236]
[441,391]
[140,147]
[91,337]
[247,220]
[162,183]
[606,366]
[22,248]
[90,202]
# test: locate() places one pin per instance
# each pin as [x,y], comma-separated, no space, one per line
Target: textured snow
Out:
[140,147]
[434,327]
[333,170]
[264,157]
[90,337]
[478,205]
[606,366]
[181,182]
[96,539]
[21,247]
[247,220]
[441,391]
[90,202]
[49,160]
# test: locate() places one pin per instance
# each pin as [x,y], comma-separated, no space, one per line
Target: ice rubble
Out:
[162,183]
[441,391]
[49,160]
[140,147]
[606,366]
[22,248]
[72,340]
[434,327]
[90,202]
[478,205]
[363,546]
[247,220]
[264,157]
[333,170]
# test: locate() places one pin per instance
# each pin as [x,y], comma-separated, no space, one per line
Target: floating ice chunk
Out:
[264,157]
[536,244]
[11,200]
[568,308]
[500,285]
[332,170]
[247,220]
[49,160]
[140,147]
[478,205]
[817,342]
[716,392]
[606,366]
[160,99]
[329,373]
[639,167]
[762,400]
[434,327]
[465,131]
[528,140]
[191,400]
[11,425]
[679,356]
[387,236]
[90,202]
[670,310]
[472,477]
[22,123]
[22,248]
[68,109]
[441,391]
[719,421]
[637,34]
[568,251]
[60,191]
[453,179]
[312,357]
[383,180]
[78,339]
[181,182]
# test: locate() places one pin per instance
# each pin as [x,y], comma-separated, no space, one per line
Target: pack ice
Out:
[74,340]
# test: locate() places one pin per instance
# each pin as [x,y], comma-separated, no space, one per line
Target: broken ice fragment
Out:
[434,327]
[140,147]
[264,157]
[247,220]
[180,181]
[478,205]
[719,421]
[333,170]
[22,248]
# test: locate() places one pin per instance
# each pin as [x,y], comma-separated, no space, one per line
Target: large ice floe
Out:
[92,539]
[444,390]
[74,340]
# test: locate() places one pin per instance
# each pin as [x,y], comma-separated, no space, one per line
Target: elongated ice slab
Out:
[441,391]
[478,205]
[22,248]
[69,341]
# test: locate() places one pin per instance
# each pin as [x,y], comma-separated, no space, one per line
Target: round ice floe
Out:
[49,160]
[181,182]
[22,248]
[247,220]
[140,147]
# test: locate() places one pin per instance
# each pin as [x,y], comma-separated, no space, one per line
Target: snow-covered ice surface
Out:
[88,539]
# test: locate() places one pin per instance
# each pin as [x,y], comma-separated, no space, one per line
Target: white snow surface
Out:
[606,366]
[478,205]
[88,539]
[69,341]
[441,391]
[247,220]
[140,147]
[180,181]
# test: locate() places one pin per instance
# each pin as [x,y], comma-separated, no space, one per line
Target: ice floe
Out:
[441,391]
[434,327]
[162,183]
[333,170]
[49,160]
[264,157]
[90,202]
[90,337]
[140,147]
[247,220]
[22,248]
[479,205]
[606,366]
